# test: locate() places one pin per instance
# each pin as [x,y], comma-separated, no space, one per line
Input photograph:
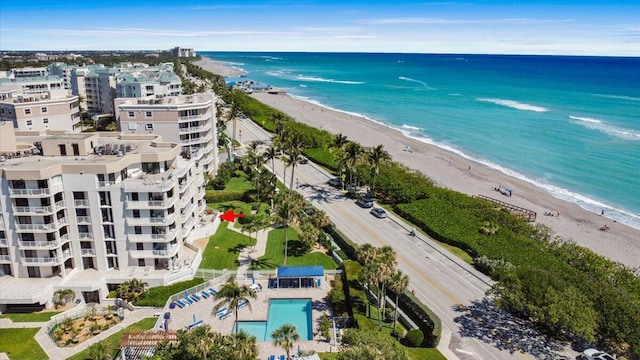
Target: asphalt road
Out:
[454,290]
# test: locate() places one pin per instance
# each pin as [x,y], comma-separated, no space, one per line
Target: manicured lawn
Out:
[223,249]
[113,341]
[157,296]
[424,354]
[239,184]
[20,344]
[30,317]
[274,255]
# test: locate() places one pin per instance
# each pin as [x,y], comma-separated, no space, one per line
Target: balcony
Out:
[81,203]
[193,129]
[166,237]
[36,192]
[150,221]
[38,210]
[199,117]
[88,252]
[148,185]
[5,259]
[151,204]
[39,245]
[184,185]
[85,236]
[83,219]
[4,242]
[57,260]
[160,254]
[198,140]
[41,227]
[106,183]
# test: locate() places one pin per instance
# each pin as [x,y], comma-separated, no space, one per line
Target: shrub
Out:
[218,196]
[398,332]
[415,337]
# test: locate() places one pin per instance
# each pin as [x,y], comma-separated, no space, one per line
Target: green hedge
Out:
[218,196]
[348,247]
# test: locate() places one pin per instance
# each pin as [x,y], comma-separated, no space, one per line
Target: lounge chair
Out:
[242,304]
[282,357]
[181,304]
[196,298]
[189,301]
[272,357]
[223,314]
[195,324]
[205,295]
[213,292]
[221,311]
[229,313]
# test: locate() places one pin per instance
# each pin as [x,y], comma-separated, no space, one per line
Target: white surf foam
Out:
[319,79]
[415,128]
[514,104]
[604,127]
[620,97]
[424,84]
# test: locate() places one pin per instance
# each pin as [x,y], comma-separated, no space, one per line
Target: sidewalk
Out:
[249,253]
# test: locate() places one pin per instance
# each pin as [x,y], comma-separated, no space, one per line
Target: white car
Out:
[593,354]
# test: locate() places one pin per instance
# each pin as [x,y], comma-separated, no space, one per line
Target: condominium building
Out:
[63,71]
[158,83]
[88,211]
[182,52]
[189,120]
[40,110]
[33,83]
[29,72]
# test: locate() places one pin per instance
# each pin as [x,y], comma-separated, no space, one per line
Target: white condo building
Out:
[189,120]
[88,211]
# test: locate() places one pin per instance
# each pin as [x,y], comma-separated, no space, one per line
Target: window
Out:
[148,114]
[131,114]
[76,149]
[149,87]
[149,126]
[27,111]
[63,149]
[44,110]
[45,121]
[29,122]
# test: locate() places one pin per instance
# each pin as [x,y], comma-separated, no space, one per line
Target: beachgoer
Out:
[602,213]
[509,193]
[413,291]
[558,212]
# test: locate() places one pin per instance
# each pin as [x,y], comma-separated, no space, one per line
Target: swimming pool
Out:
[282,311]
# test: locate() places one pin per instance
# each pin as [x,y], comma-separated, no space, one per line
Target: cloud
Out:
[354,37]
[146,32]
[424,20]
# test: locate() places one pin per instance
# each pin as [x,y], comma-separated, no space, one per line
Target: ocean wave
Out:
[602,126]
[620,97]
[231,63]
[514,104]
[405,126]
[274,73]
[319,79]
[424,84]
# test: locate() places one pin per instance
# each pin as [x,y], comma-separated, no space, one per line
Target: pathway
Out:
[249,253]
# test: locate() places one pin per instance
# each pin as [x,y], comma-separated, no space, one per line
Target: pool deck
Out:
[202,310]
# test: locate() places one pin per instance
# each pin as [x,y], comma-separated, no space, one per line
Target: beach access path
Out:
[454,290]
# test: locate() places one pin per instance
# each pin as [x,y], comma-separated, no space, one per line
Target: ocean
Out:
[568,124]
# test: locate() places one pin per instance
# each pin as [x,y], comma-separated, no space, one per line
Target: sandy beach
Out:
[218,67]
[620,243]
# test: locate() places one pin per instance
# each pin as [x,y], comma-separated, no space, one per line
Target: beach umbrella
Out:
[194,318]
[186,293]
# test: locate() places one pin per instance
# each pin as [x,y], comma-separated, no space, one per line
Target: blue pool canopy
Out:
[284,272]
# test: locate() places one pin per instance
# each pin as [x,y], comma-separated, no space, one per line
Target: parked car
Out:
[593,354]
[364,202]
[379,213]
[303,160]
[335,182]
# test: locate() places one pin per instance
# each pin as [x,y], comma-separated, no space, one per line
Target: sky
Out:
[560,27]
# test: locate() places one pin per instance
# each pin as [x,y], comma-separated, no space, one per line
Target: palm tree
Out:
[352,158]
[62,296]
[368,277]
[234,113]
[200,341]
[377,156]
[386,260]
[100,351]
[233,295]
[398,283]
[278,119]
[271,153]
[339,141]
[131,290]
[244,345]
[285,336]
[286,214]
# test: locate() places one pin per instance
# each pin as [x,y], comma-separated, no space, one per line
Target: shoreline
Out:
[451,170]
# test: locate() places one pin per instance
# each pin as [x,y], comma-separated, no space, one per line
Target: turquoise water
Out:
[570,125]
[282,311]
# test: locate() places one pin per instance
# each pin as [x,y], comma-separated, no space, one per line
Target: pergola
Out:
[138,343]
[297,277]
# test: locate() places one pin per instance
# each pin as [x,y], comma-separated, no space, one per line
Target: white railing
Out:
[85,236]
[90,252]
[185,185]
[42,227]
[197,140]
[106,183]
[83,219]
[141,254]
[37,192]
[131,204]
[195,128]
[153,237]
[198,117]
[39,209]
[81,203]
[39,244]
[148,185]
[46,260]
[5,258]
[3,242]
